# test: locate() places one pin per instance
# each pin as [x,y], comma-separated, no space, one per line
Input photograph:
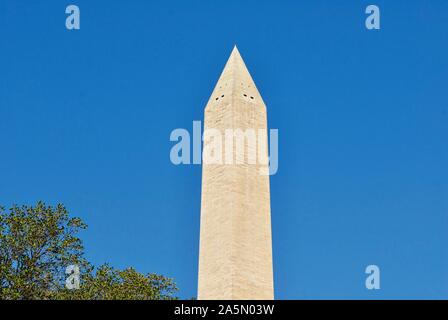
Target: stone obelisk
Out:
[235,255]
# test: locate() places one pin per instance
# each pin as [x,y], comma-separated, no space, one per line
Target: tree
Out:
[38,243]
[111,284]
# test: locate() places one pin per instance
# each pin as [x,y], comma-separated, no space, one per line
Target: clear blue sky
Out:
[85,119]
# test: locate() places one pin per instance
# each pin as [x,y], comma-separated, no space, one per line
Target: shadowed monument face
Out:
[235,256]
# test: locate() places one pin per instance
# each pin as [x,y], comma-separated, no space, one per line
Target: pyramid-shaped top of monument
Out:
[235,81]
[236,68]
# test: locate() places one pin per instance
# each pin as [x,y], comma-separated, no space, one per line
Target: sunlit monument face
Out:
[235,259]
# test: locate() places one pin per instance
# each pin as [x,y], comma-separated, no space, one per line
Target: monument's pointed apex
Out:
[235,50]
[235,81]
[235,56]
[235,60]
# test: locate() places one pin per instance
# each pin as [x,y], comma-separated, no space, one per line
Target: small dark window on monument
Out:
[245,95]
[216,98]
[222,96]
[251,97]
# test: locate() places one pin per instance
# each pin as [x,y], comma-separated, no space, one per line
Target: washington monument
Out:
[235,254]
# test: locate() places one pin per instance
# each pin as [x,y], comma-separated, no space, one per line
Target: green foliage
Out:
[38,243]
[110,284]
